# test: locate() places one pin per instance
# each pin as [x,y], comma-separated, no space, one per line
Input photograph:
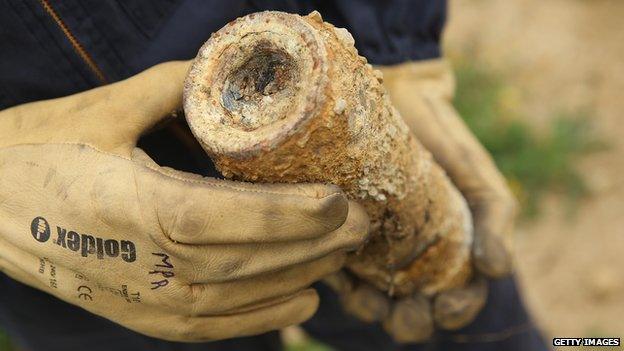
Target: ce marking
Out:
[84,293]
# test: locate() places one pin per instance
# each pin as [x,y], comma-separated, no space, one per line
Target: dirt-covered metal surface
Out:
[274,97]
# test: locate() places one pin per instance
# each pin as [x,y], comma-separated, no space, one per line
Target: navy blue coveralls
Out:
[119,38]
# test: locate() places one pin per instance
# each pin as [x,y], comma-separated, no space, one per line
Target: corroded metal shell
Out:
[275,97]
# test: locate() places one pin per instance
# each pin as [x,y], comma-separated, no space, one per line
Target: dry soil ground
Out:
[563,54]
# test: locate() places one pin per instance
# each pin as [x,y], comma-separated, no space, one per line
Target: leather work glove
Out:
[422,92]
[91,219]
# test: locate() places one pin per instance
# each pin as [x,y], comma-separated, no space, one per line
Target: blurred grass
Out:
[5,343]
[533,162]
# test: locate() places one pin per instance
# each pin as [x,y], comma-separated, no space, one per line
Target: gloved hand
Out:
[92,220]
[422,92]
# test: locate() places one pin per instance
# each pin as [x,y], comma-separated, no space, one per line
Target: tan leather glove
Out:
[92,220]
[422,92]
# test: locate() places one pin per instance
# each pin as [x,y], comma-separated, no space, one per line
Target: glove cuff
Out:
[433,77]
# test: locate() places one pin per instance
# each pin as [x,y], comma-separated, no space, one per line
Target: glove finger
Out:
[476,176]
[139,102]
[196,210]
[289,311]
[366,303]
[221,263]
[113,116]
[494,217]
[410,320]
[422,93]
[454,309]
[250,292]
[340,282]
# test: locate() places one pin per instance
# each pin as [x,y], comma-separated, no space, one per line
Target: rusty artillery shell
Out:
[276,97]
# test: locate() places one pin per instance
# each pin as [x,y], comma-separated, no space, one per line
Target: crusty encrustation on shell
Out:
[276,97]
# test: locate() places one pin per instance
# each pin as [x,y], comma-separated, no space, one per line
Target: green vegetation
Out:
[534,163]
[5,343]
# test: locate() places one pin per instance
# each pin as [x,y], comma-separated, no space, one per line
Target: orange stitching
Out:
[80,50]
